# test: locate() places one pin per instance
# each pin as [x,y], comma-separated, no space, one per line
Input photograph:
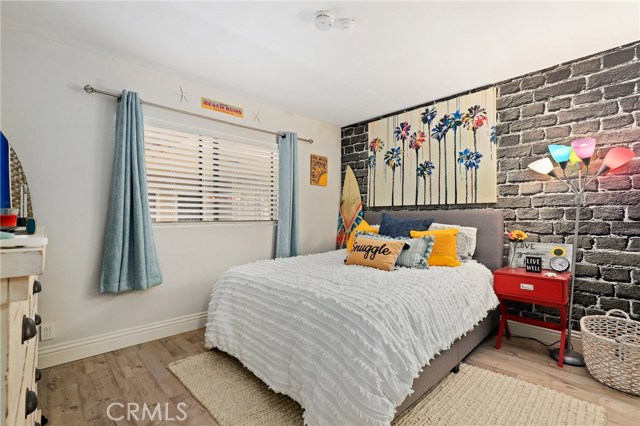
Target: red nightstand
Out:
[521,286]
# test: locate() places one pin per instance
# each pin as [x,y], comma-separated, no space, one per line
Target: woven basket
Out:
[611,349]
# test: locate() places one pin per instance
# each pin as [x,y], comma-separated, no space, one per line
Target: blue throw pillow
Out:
[396,227]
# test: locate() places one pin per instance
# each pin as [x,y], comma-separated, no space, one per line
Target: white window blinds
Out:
[195,178]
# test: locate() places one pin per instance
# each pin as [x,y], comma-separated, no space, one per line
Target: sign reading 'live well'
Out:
[221,107]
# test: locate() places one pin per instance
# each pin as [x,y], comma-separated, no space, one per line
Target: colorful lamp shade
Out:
[584,148]
[561,154]
[615,158]
[574,159]
[543,166]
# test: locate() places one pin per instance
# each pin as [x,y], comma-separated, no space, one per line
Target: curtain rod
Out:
[90,89]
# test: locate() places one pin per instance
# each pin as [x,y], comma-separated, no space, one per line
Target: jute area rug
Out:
[473,397]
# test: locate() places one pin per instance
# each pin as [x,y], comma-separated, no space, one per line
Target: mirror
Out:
[13,181]
[18,178]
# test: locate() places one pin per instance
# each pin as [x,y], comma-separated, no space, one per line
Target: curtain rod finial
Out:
[311,141]
[89,88]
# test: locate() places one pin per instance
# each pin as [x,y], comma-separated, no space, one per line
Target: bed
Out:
[356,345]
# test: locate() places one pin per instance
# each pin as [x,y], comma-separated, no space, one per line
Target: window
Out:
[195,178]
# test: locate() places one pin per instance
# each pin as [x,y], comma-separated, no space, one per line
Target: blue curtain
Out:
[287,237]
[129,259]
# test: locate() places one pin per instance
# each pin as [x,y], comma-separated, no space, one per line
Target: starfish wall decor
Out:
[182,94]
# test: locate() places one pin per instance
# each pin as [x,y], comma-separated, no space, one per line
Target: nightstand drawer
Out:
[529,288]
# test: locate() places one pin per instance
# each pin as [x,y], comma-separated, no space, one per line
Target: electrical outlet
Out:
[47,331]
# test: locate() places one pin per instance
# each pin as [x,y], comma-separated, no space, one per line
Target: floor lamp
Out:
[579,154]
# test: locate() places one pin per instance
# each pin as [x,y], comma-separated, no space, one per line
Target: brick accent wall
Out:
[594,96]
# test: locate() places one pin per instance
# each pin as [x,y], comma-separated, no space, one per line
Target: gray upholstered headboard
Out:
[490,224]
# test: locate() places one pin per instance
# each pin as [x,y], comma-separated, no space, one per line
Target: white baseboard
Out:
[545,335]
[73,350]
[82,348]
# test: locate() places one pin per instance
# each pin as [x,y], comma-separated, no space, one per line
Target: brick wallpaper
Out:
[594,96]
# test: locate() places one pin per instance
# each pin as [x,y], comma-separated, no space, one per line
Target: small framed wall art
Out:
[318,170]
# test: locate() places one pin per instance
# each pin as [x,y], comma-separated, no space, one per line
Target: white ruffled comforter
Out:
[344,341]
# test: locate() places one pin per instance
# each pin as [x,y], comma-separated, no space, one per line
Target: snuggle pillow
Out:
[415,253]
[396,227]
[374,253]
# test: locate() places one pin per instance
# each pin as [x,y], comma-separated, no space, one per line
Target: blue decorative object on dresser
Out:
[5,186]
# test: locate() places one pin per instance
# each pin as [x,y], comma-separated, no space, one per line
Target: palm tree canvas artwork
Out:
[438,154]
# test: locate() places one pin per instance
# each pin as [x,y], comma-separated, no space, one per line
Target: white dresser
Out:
[21,261]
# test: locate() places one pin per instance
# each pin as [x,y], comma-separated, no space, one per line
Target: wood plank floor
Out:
[78,393]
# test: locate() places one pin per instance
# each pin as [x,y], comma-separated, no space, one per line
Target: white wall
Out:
[65,140]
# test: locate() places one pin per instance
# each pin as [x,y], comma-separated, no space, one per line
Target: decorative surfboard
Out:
[350,208]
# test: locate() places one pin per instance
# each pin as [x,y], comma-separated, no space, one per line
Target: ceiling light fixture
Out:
[324,20]
[345,24]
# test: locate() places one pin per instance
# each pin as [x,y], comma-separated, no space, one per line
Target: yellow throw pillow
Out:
[444,251]
[375,253]
[363,226]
